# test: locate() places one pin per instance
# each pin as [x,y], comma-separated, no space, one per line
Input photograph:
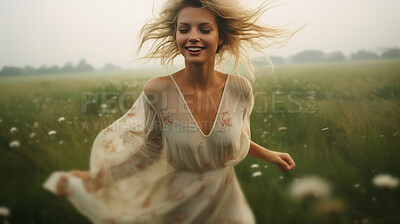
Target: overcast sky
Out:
[49,32]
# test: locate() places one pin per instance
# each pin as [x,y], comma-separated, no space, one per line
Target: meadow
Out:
[340,122]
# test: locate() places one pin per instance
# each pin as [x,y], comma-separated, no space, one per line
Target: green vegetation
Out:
[338,121]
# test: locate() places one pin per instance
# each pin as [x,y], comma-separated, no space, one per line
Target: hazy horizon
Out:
[45,32]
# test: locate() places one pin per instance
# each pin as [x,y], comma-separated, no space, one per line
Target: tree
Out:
[308,56]
[67,68]
[335,56]
[83,66]
[364,55]
[391,53]
[10,70]
[110,67]
[28,70]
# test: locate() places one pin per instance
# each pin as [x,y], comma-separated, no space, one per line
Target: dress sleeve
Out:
[128,146]
[245,135]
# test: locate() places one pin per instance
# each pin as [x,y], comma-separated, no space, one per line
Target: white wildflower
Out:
[104,106]
[32,135]
[52,132]
[256,174]
[325,129]
[385,181]
[265,166]
[13,130]
[280,177]
[1,120]
[14,144]
[310,186]
[356,185]
[281,128]
[254,165]
[61,142]
[60,119]
[4,212]
[36,124]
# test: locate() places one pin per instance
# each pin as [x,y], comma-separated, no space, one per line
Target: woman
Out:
[170,158]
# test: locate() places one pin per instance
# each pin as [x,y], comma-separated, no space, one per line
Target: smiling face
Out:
[197,35]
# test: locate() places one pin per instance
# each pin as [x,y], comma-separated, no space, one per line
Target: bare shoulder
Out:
[156,84]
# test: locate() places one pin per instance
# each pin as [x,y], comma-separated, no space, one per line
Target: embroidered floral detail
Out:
[109,221]
[170,181]
[226,120]
[109,129]
[157,138]
[134,132]
[108,144]
[166,115]
[207,166]
[131,113]
[181,217]
[201,177]
[177,196]
[139,192]
[147,202]
[200,147]
[140,166]
[248,131]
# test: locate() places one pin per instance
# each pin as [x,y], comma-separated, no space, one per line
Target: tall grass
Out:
[342,124]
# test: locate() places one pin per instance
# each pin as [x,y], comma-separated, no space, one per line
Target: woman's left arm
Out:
[283,160]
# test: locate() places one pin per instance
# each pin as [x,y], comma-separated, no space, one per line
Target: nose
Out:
[194,37]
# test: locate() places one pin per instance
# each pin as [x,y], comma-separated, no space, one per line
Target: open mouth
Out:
[194,49]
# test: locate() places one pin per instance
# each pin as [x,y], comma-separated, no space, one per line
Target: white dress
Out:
[159,167]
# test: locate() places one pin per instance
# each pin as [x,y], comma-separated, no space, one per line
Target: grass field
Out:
[340,122]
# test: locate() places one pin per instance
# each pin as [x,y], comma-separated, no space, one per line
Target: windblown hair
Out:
[238,27]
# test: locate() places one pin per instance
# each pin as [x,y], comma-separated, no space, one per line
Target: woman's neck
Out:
[200,77]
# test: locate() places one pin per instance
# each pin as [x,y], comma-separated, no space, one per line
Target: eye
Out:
[183,30]
[205,31]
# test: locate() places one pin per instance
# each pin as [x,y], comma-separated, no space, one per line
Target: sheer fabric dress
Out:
[159,167]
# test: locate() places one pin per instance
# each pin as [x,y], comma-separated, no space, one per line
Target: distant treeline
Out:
[312,56]
[308,56]
[82,66]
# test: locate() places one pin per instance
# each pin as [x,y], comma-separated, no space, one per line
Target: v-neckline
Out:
[190,112]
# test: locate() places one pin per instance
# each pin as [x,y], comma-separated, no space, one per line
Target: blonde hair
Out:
[237,26]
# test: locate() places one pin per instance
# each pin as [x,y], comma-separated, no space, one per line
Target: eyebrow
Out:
[201,24]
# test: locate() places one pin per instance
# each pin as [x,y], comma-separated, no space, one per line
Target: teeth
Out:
[194,49]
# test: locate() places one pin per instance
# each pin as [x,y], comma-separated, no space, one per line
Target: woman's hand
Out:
[60,188]
[283,160]
[90,184]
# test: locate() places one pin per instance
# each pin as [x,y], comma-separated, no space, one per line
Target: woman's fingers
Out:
[285,162]
[289,161]
[61,186]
